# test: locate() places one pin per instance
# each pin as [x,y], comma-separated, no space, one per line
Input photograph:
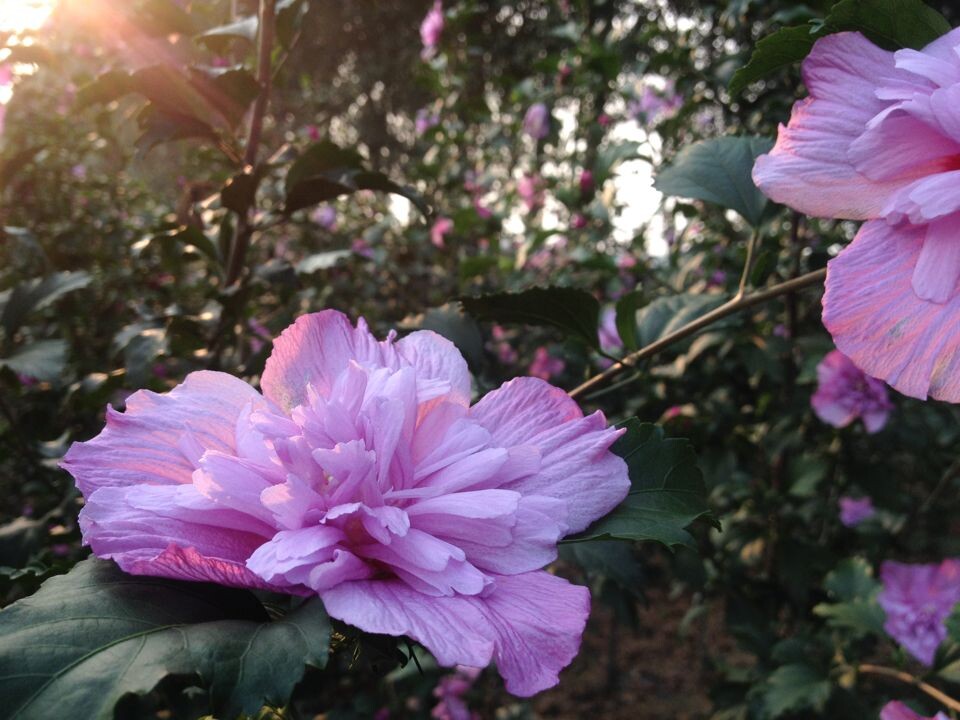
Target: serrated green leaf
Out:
[110,86]
[667,492]
[36,294]
[668,314]
[574,312]
[96,634]
[851,580]
[718,170]
[780,49]
[795,687]
[43,360]
[863,617]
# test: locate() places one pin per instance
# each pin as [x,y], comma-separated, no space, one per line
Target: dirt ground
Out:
[655,674]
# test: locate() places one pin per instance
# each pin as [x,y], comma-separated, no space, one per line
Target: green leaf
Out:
[37,294]
[11,166]
[43,360]
[326,171]
[891,24]
[855,590]
[862,617]
[668,314]
[667,492]
[240,191]
[851,580]
[163,17]
[627,318]
[574,312]
[188,235]
[217,38]
[96,634]
[161,127]
[718,171]
[794,687]
[106,88]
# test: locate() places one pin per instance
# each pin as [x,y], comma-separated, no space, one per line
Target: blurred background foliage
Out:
[115,275]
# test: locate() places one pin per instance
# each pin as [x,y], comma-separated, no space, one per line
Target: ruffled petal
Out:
[185,563]
[879,322]
[808,169]
[538,620]
[315,350]
[158,439]
[452,628]
[901,147]
[938,265]
[441,369]
[575,462]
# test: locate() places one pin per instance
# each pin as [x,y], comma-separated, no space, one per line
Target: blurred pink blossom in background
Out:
[431,29]
[439,230]
[845,393]
[544,365]
[854,511]
[536,121]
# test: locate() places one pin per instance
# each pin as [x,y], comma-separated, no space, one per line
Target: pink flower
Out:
[917,600]
[536,122]
[578,221]
[854,511]
[451,690]
[896,710]
[654,105]
[325,216]
[362,474]
[544,365]
[425,120]
[586,183]
[530,190]
[361,247]
[604,120]
[845,393]
[313,132]
[879,140]
[439,230]
[609,335]
[431,29]
[483,212]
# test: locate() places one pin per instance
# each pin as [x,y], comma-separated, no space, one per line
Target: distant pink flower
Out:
[854,511]
[313,132]
[361,247]
[431,29]
[536,122]
[6,75]
[845,393]
[604,120]
[325,216]
[609,335]
[530,190]
[672,412]
[917,600]
[501,344]
[218,61]
[718,278]
[544,365]
[625,261]
[425,120]
[363,475]
[896,710]
[79,171]
[586,183]
[578,221]
[483,212]
[450,690]
[655,104]
[439,230]
[879,140]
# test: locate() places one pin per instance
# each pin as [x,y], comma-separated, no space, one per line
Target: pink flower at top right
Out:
[878,139]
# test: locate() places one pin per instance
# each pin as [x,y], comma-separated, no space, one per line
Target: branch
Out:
[737,304]
[916,682]
[243,232]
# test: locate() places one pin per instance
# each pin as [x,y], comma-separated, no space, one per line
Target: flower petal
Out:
[315,350]
[538,620]
[452,628]
[441,369]
[808,169]
[938,266]
[878,321]
[156,440]
[576,464]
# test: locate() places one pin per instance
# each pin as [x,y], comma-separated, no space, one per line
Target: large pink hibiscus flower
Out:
[363,474]
[878,139]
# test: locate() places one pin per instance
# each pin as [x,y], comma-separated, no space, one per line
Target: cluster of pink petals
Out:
[530,190]
[917,600]
[439,230]
[878,139]
[431,28]
[536,121]
[896,710]
[363,475]
[854,511]
[451,690]
[545,365]
[845,393]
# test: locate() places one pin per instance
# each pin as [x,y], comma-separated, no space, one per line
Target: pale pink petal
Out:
[939,71]
[438,364]
[808,169]
[290,555]
[575,465]
[452,628]
[144,444]
[185,563]
[538,620]
[877,320]
[938,266]
[901,147]
[831,411]
[874,420]
[943,104]
[315,350]
[925,199]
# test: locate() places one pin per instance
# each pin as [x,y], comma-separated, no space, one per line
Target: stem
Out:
[748,264]
[241,236]
[909,679]
[737,304]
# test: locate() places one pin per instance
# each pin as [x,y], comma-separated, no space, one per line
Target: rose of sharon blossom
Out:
[439,230]
[544,365]
[845,393]
[917,600]
[854,511]
[536,121]
[896,710]
[431,28]
[879,140]
[362,474]
[530,190]
[451,690]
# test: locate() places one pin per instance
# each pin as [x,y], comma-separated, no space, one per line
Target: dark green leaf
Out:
[666,315]
[627,318]
[160,127]
[851,580]
[19,539]
[188,235]
[289,15]
[43,360]
[10,167]
[240,191]
[794,687]
[667,492]
[96,634]
[106,88]
[163,17]
[575,312]
[781,49]
[37,294]
[719,171]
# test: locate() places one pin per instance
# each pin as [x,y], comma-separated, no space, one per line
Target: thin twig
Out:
[748,264]
[909,679]
[243,232]
[737,304]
